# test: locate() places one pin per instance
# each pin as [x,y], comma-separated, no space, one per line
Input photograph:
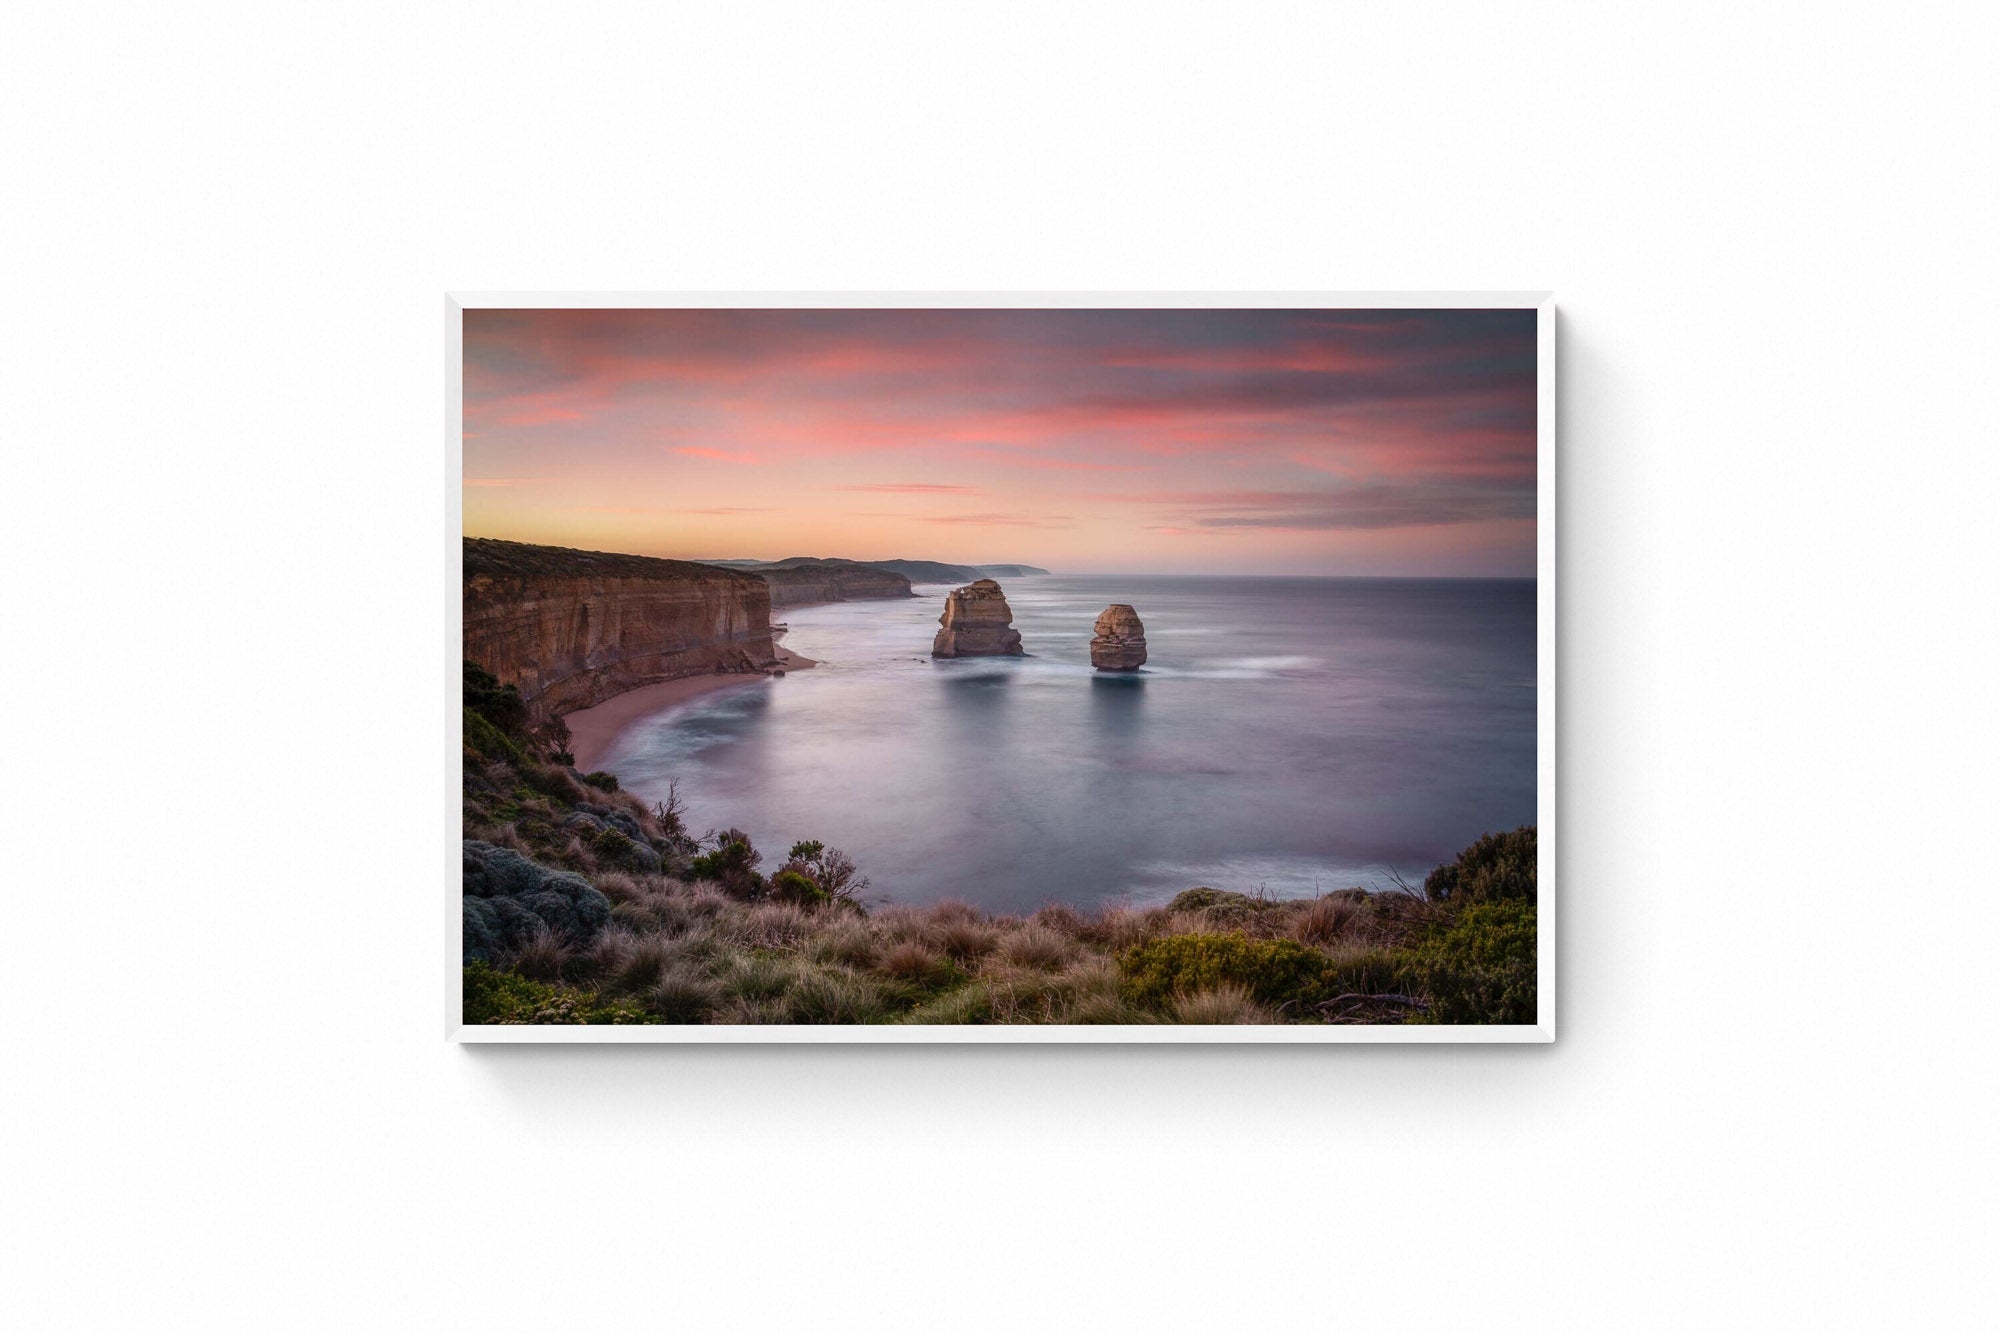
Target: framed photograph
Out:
[1005,667]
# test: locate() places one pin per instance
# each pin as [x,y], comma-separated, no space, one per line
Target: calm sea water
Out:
[1287,734]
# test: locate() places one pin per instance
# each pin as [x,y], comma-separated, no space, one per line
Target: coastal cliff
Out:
[572,628]
[804,580]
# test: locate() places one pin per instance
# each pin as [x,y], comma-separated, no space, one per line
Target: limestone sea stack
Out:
[977,622]
[1119,643]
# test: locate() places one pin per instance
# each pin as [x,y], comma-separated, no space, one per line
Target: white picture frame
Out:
[1544,1028]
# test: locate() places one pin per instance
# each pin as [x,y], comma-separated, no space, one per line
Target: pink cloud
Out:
[719,455]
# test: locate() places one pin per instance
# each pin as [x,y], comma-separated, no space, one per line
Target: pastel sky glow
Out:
[1129,441]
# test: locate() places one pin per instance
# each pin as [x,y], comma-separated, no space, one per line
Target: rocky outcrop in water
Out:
[977,622]
[1119,643]
[572,628]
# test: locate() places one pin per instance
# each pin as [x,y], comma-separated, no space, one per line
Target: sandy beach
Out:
[592,729]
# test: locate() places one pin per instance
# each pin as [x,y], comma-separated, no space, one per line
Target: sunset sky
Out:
[1129,441]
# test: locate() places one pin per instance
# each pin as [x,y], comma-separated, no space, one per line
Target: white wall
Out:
[1771,229]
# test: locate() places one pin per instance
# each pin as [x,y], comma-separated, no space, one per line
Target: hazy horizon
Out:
[1365,443]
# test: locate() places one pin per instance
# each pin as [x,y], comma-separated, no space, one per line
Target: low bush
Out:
[1499,867]
[1274,971]
[508,997]
[733,865]
[1479,967]
[601,780]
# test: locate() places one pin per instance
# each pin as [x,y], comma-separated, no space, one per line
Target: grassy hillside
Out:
[586,905]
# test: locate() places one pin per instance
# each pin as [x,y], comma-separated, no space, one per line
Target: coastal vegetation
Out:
[586,904]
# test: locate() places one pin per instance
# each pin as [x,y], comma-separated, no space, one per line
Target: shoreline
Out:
[592,730]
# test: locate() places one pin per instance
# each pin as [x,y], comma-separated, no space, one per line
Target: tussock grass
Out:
[849,943]
[834,995]
[1037,946]
[1226,1003]
[758,977]
[683,995]
[951,910]
[1323,920]
[966,941]
[912,961]
[544,957]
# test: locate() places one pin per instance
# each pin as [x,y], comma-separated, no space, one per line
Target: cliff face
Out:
[572,628]
[977,622]
[804,580]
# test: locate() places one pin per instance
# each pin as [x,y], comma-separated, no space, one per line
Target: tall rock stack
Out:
[977,622]
[1119,643]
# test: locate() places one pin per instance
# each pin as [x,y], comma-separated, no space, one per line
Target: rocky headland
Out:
[1119,640]
[806,580]
[916,571]
[571,628]
[977,622]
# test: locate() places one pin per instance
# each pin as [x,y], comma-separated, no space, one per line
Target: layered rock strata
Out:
[1119,641]
[572,628]
[977,622]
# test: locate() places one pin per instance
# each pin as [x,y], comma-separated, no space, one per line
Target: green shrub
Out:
[831,872]
[491,996]
[791,886]
[1499,867]
[1273,971]
[602,781]
[488,741]
[500,705]
[1479,967]
[733,865]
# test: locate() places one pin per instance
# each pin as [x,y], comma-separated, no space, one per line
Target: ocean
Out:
[1287,735]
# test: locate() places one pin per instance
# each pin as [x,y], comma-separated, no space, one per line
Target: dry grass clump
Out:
[544,957]
[620,886]
[1063,920]
[900,923]
[848,942]
[966,941]
[744,1012]
[1120,928]
[758,977]
[1224,1004]
[630,964]
[1324,920]
[705,899]
[1037,946]
[912,961]
[950,911]
[777,925]
[834,995]
[683,995]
